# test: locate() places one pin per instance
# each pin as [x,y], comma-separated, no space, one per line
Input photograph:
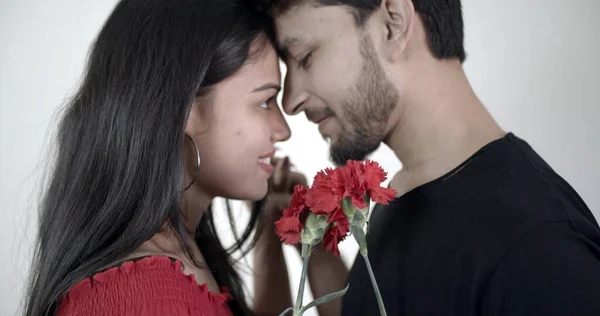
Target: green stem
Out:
[305,256]
[375,287]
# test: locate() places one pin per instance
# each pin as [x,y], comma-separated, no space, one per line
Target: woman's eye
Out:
[265,105]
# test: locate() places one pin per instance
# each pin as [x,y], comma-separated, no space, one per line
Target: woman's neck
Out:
[194,204]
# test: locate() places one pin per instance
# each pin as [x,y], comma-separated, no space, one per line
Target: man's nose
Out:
[294,94]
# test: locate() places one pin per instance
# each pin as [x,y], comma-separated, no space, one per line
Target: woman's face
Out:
[236,126]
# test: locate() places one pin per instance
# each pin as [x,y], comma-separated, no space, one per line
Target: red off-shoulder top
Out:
[149,286]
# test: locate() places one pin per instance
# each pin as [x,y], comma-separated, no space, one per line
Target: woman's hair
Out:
[117,177]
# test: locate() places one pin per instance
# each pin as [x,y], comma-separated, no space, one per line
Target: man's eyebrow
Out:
[283,47]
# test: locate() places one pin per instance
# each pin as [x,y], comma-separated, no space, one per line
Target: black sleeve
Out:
[551,270]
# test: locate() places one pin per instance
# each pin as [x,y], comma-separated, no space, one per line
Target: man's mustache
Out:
[317,115]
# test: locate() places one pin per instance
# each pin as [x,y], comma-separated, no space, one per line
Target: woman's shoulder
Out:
[154,285]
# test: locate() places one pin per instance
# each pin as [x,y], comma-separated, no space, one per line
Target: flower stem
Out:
[305,256]
[375,287]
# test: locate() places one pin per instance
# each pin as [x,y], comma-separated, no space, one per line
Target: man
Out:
[481,224]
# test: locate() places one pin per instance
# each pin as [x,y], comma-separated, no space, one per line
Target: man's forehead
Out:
[302,23]
[292,31]
[294,25]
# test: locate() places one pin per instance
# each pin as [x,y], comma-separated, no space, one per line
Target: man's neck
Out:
[442,126]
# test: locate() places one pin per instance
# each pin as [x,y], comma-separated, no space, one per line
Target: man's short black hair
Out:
[442,20]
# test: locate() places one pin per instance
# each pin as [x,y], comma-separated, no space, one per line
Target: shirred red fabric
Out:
[150,286]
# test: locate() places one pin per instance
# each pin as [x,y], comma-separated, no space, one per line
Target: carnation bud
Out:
[356,216]
[314,229]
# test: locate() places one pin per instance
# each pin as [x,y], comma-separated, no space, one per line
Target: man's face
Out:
[334,76]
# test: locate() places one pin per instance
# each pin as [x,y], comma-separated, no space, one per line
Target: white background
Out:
[533,63]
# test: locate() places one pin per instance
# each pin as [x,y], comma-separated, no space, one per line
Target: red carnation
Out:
[374,176]
[325,194]
[337,231]
[339,198]
[290,225]
[355,180]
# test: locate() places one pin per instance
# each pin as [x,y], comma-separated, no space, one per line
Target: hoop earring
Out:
[197,162]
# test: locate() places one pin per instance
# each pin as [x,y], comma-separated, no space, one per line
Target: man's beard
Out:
[367,108]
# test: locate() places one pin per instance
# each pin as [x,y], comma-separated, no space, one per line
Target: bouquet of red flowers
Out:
[336,204]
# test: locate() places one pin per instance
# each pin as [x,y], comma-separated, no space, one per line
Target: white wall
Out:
[532,63]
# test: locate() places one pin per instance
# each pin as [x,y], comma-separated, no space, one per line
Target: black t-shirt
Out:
[502,234]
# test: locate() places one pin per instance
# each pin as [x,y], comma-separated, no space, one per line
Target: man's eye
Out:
[304,62]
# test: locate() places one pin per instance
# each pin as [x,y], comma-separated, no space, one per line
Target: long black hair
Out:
[118,172]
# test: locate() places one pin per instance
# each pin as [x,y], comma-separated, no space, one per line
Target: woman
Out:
[177,106]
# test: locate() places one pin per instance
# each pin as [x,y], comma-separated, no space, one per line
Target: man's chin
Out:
[339,156]
[340,153]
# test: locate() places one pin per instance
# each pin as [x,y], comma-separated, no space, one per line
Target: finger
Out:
[281,179]
[276,203]
[296,178]
[274,160]
[279,201]
[278,173]
[286,174]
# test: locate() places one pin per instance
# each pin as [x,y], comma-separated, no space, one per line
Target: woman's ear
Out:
[198,119]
